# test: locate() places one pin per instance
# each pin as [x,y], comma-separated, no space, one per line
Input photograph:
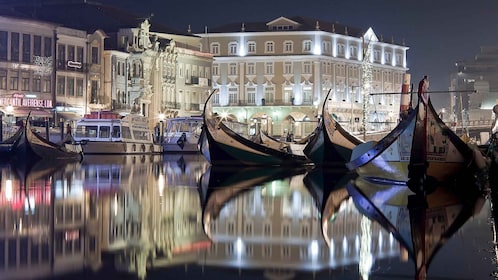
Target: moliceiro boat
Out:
[330,143]
[111,133]
[220,145]
[29,145]
[421,148]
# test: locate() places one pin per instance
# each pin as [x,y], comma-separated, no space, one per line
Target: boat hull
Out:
[331,144]
[420,146]
[120,148]
[31,145]
[222,146]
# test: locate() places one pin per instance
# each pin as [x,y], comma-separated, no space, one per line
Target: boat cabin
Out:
[112,127]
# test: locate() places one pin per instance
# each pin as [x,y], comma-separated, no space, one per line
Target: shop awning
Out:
[17,112]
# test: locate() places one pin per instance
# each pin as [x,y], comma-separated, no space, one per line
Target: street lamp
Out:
[161,128]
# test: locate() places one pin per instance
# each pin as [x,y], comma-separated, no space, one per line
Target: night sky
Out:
[438,32]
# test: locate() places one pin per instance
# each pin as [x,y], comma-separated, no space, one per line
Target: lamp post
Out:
[161,127]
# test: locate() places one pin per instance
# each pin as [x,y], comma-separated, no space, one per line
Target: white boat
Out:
[110,133]
[181,134]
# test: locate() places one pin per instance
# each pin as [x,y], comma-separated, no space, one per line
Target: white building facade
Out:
[288,65]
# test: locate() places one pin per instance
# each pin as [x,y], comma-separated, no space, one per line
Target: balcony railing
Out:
[276,102]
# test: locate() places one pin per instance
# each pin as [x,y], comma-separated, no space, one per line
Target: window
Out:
[61,85]
[307,67]
[307,46]
[230,228]
[232,69]
[37,84]
[353,51]
[3,45]
[232,48]
[266,252]
[288,46]
[286,253]
[288,67]
[269,47]
[388,57]
[14,81]
[269,94]
[93,92]
[341,50]
[79,87]
[47,47]
[250,68]
[269,68]
[326,47]
[251,47]
[61,54]
[248,228]
[285,230]
[267,229]
[26,48]
[14,47]
[46,85]
[216,70]
[376,54]
[233,95]
[70,86]
[37,47]
[398,59]
[95,55]
[71,55]
[215,48]
[3,79]
[251,95]
[25,83]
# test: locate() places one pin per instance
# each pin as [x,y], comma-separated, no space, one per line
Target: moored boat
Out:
[330,144]
[420,147]
[181,134]
[7,147]
[111,133]
[220,145]
[30,145]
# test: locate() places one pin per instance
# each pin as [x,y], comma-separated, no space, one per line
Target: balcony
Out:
[195,80]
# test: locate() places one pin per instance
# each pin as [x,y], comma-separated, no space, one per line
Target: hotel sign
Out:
[20,100]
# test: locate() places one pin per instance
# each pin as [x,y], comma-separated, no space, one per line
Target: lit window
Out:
[269,47]
[307,46]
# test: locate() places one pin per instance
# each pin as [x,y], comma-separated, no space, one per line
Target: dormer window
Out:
[281,27]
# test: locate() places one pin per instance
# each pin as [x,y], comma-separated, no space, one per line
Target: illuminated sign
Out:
[73,64]
[20,100]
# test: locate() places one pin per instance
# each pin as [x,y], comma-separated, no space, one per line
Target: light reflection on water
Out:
[174,215]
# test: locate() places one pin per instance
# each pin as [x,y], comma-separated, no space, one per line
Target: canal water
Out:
[176,217]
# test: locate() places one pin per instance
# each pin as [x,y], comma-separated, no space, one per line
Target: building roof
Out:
[299,24]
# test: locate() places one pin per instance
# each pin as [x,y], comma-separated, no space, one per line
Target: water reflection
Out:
[147,216]
[421,224]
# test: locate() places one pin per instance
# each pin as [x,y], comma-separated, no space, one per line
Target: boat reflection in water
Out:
[176,217]
[274,227]
[421,224]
